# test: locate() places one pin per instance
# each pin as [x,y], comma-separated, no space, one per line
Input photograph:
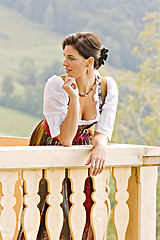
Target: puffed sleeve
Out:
[55,104]
[106,120]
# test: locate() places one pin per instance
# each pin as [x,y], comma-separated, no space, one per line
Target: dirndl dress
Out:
[41,137]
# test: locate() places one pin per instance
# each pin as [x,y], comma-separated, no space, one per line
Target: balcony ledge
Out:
[118,155]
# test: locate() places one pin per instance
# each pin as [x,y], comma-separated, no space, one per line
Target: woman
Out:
[72,105]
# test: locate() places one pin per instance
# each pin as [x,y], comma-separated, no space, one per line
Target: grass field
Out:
[21,38]
[16,123]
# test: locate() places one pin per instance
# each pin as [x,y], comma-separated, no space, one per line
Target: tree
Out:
[7,86]
[138,116]
[27,72]
[118,21]
[49,18]
[139,109]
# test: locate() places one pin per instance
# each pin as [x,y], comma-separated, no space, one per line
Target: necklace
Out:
[84,95]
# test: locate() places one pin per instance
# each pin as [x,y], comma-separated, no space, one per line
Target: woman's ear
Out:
[90,62]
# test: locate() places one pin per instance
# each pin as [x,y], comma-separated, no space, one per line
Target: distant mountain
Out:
[118,23]
[21,39]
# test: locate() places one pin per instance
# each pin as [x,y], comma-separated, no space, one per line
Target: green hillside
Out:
[118,23]
[21,38]
[16,123]
[29,54]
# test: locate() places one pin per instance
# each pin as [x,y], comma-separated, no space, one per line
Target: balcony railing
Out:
[133,167]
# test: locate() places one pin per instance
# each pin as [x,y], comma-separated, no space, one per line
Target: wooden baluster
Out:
[54,216]
[18,194]
[31,215]
[77,216]
[1,195]
[121,210]
[147,203]
[8,217]
[1,208]
[101,209]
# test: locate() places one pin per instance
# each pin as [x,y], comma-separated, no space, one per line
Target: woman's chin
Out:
[69,74]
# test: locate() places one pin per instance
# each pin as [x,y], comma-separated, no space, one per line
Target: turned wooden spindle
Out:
[54,216]
[77,214]
[8,216]
[101,209]
[121,210]
[31,214]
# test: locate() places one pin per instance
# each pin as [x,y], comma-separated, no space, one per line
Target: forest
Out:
[130,29]
[118,23]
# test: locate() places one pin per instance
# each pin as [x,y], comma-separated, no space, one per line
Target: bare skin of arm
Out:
[69,126]
[98,156]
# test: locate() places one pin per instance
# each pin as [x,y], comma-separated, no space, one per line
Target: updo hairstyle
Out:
[88,45]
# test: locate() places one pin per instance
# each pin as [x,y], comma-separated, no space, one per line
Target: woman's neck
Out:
[85,82]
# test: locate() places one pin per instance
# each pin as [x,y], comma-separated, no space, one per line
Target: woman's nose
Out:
[65,63]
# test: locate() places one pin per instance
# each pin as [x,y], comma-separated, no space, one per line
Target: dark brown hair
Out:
[88,45]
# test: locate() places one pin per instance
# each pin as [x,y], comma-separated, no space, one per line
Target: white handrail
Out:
[118,155]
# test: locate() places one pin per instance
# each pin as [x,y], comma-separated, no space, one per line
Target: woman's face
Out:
[74,63]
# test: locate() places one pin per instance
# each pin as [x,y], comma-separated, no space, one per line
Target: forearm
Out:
[69,126]
[99,139]
[98,156]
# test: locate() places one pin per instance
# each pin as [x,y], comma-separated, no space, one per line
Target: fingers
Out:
[97,166]
[92,168]
[102,166]
[69,78]
[69,82]
[97,160]
[88,161]
[70,86]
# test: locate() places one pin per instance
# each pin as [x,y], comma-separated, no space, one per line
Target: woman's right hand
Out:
[70,86]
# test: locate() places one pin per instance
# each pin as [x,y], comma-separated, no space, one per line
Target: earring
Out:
[87,71]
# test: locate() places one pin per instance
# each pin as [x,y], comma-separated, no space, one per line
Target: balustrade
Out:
[22,169]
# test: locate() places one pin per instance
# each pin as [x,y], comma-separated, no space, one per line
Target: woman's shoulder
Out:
[110,80]
[54,90]
[111,84]
[55,82]
[55,79]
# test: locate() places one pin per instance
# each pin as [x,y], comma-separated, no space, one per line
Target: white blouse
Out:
[56,105]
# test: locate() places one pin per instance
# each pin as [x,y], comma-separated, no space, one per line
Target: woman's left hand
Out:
[97,160]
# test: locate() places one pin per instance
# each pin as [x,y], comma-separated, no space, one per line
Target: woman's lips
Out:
[67,70]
